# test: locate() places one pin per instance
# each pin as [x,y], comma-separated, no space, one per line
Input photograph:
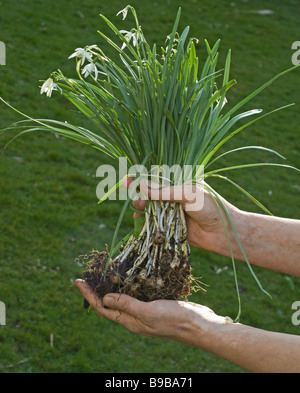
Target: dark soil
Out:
[170,279]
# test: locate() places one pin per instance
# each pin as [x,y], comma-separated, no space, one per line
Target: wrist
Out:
[214,334]
[236,226]
[201,327]
[216,238]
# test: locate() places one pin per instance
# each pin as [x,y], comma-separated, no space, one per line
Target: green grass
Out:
[49,211]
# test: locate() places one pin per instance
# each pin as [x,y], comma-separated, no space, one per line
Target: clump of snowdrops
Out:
[158,108]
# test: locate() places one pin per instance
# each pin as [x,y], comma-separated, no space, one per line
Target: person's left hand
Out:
[168,319]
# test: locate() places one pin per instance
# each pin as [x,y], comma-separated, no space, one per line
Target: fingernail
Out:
[78,281]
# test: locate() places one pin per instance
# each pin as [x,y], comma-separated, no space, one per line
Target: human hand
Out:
[205,225]
[167,319]
[193,324]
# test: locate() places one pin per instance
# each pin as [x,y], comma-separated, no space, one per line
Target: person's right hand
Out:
[204,223]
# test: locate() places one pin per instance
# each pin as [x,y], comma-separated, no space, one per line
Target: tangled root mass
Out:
[155,265]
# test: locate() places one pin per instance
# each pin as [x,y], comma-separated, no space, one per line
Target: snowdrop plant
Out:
[155,108]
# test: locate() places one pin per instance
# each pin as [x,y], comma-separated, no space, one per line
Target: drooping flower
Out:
[128,35]
[124,12]
[83,54]
[48,86]
[90,68]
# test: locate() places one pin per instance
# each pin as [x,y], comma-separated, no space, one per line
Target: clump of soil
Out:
[166,282]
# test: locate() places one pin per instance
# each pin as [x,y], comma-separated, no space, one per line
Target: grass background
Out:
[49,213]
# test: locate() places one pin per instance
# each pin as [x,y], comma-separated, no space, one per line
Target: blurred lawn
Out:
[49,212]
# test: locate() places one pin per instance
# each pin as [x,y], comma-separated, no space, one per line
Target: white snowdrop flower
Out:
[128,35]
[83,54]
[124,12]
[48,87]
[90,68]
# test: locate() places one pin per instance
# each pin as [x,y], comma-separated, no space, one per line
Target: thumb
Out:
[179,193]
[123,302]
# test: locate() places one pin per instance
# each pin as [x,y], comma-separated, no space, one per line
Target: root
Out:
[155,265]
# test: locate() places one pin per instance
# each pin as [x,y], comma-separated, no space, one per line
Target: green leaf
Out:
[251,197]
[229,168]
[245,148]
[112,189]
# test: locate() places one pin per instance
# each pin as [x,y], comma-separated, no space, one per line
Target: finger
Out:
[127,181]
[180,194]
[136,204]
[119,305]
[136,216]
[96,303]
[123,303]
[139,204]
[89,294]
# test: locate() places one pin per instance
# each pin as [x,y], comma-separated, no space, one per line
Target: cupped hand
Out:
[167,319]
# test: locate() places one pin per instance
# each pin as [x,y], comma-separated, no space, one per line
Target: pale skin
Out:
[268,241]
